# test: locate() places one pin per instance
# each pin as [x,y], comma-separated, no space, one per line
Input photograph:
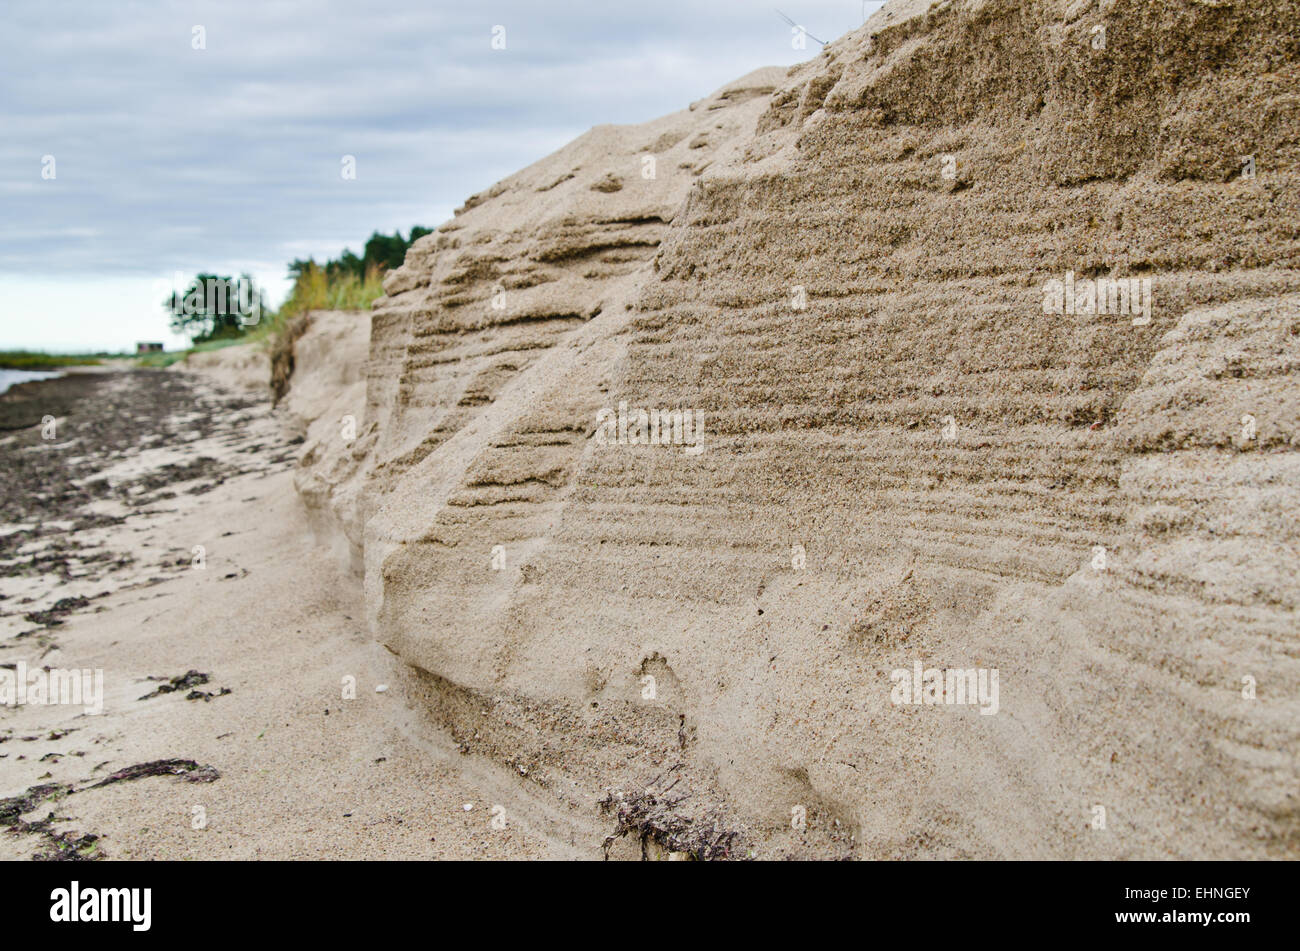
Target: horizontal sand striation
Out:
[905,457]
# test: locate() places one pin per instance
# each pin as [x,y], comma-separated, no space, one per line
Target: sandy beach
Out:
[891,456]
[100,575]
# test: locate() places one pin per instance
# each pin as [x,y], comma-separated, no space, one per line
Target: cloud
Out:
[168,157]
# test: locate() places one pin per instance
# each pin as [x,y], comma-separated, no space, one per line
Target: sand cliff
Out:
[904,458]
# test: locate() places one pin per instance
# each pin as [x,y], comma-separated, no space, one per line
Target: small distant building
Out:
[148,348]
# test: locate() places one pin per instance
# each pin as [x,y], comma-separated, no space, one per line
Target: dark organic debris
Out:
[654,819]
[58,846]
[205,696]
[186,681]
[187,769]
[85,522]
[110,416]
[15,806]
[70,847]
[67,846]
[54,614]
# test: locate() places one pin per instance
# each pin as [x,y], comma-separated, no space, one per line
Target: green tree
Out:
[385,252]
[214,308]
[381,253]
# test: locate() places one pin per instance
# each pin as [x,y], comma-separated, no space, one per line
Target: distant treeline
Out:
[215,308]
[382,253]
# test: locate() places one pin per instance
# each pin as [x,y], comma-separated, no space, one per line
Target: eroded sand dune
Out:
[905,459]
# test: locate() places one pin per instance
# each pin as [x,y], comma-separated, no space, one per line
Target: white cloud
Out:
[226,159]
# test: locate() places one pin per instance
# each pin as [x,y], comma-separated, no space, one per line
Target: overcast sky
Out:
[169,159]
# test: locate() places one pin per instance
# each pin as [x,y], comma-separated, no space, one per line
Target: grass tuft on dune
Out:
[314,289]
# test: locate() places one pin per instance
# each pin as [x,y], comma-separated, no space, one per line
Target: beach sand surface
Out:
[270,617]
